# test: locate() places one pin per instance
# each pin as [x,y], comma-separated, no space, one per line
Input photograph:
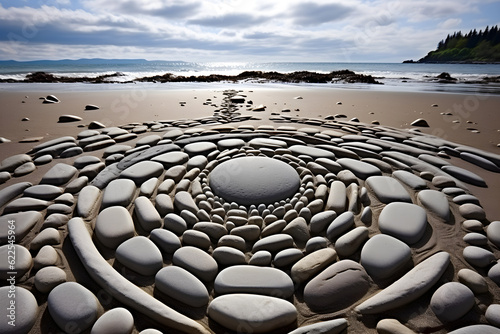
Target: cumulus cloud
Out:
[311,13]
[229,20]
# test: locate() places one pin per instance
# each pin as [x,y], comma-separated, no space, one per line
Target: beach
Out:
[310,116]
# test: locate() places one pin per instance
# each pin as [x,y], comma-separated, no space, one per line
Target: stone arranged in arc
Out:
[286,233]
[404,221]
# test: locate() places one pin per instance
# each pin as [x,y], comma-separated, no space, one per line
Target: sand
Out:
[466,119]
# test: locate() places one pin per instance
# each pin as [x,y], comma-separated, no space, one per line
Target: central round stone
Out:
[254,180]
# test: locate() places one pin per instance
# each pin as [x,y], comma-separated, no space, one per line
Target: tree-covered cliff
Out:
[482,46]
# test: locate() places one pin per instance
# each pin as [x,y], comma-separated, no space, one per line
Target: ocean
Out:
[394,76]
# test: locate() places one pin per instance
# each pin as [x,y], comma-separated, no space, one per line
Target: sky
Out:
[236,30]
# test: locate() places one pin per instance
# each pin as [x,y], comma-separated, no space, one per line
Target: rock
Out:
[335,326]
[181,285]
[337,287]
[273,243]
[49,236]
[251,313]
[254,280]
[119,192]
[171,159]
[337,198]
[420,122]
[166,240]
[404,221]
[142,171]
[24,169]
[312,264]
[113,226]
[25,310]
[121,288]
[47,256]
[118,320]
[88,201]
[23,261]
[233,241]
[466,198]
[287,257]
[451,301]
[71,304]
[23,222]
[184,201]
[48,278]
[51,99]
[146,214]
[476,329]
[480,161]
[493,233]
[361,169]
[443,181]
[472,211]
[313,152]
[175,223]
[261,258]
[69,118]
[59,174]
[478,257]
[410,179]
[196,239]
[436,202]
[388,189]
[493,315]
[349,243]
[96,125]
[199,148]
[248,232]
[340,225]
[91,107]
[141,255]
[298,229]
[10,164]
[254,180]
[473,280]
[315,244]
[383,256]
[494,273]
[228,256]
[476,239]
[196,262]
[392,326]
[320,221]
[465,175]
[411,286]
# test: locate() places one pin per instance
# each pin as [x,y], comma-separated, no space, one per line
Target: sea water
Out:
[394,76]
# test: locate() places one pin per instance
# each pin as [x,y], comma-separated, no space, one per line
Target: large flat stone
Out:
[119,192]
[254,280]
[181,285]
[197,262]
[388,189]
[142,171]
[251,313]
[404,221]
[59,174]
[113,226]
[141,255]
[361,169]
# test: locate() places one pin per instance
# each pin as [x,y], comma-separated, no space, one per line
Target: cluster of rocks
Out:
[254,227]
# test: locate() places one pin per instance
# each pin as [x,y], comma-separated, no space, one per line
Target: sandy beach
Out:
[304,112]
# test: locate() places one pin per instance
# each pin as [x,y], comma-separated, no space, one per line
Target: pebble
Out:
[181,285]
[465,175]
[261,258]
[175,223]
[340,225]
[113,226]
[452,301]
[476,329]
[48,236]
[59,174]
[337,287]
[197,262]
[47,256]
[335,326]
[272,243]
[312,264]
[410,179]
[404,221]
[23,261]
[472,211]
[254,280]
[388,189]
[142,171]
[11,163]
[48,278]
[337,197]
[88,201]
[409,287]
[478,257]
[472,280]
[26,204]
[493,233]
[25,310]
[384,256]
[493,315]
[349,243]
[23,222]
[228,256]
[141,255]
[118,320]
[147,216]
[287,257]
[71,305]
[361,169]
[251,313]
[392,326]
[197,239]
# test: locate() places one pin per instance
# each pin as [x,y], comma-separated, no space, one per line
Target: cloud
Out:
[450,24]
[239,20]
[159,8]
[310,13]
